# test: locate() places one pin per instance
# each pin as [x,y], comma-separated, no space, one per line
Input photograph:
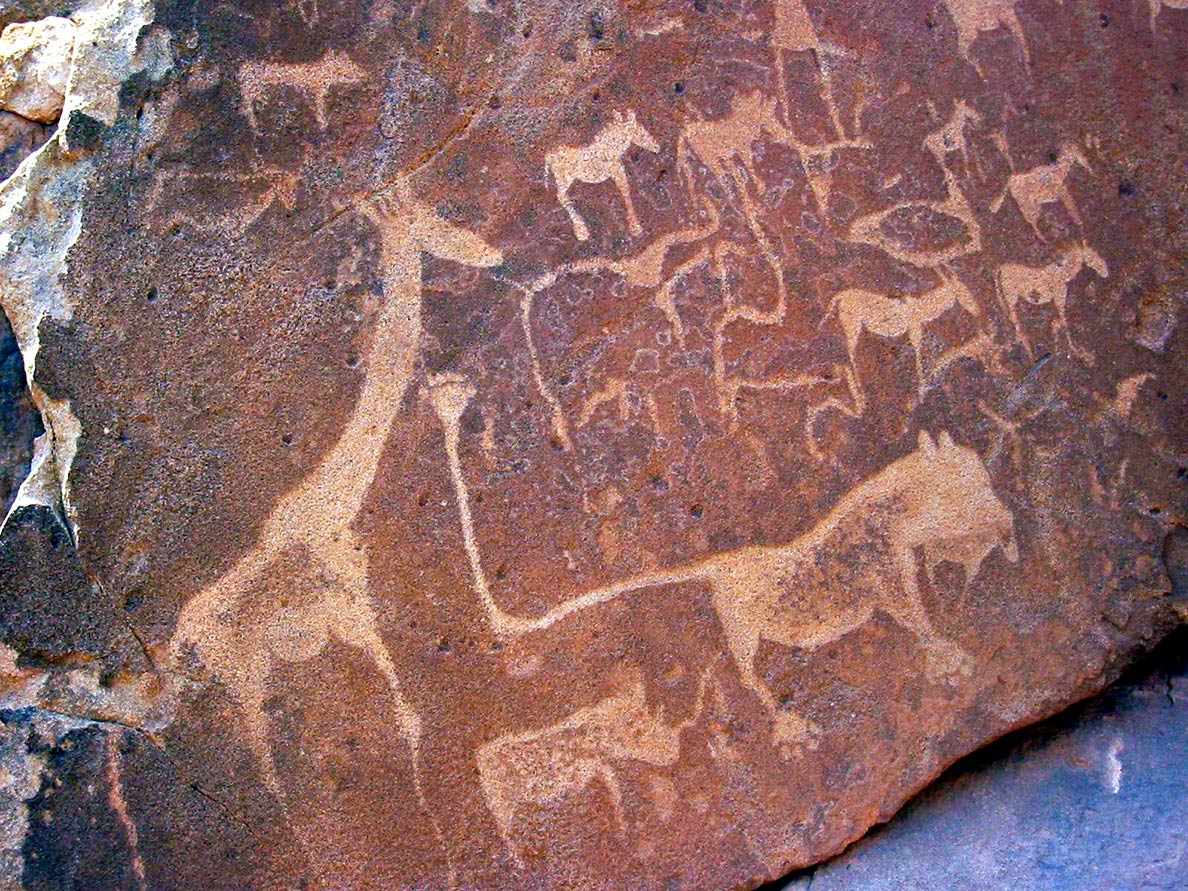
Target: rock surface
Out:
[1095,800]
[577,444]
[34,67]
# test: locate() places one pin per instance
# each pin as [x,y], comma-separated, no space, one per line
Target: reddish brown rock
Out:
[566,445]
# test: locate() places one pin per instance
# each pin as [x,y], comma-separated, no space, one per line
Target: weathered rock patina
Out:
[576,445]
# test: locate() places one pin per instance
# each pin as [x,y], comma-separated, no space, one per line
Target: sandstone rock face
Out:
[577,444]
[34,65]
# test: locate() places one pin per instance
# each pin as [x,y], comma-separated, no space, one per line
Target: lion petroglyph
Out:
[1045,184]
[972,17]
[596,162]
[315,79]
[1040,285]
[239,623]
[803,594]
[860,310]
[545,766]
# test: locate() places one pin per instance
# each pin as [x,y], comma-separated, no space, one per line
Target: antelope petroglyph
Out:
[240,623]
[596,162]
[972,17]
[858,310]
[806,593]
[1045,184]
[315,79]
[1039,285]
[545,766]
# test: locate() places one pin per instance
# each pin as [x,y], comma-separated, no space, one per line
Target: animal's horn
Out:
[925,443]
[945,440]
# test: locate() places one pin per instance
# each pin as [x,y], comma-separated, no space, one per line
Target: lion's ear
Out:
[945,440]
[925,442]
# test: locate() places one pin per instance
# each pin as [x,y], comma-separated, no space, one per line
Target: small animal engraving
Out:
[315,79]
[1040,285]
[596,162]
[972,17]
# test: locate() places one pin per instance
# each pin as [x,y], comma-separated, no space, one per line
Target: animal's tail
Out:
[699,702]
[996,204]
[832,310]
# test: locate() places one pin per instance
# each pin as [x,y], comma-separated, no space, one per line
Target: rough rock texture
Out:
[1095,800]
[577,445]
[34,67]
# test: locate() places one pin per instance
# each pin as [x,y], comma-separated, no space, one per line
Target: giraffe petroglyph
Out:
[1045,184]
[938,499]
[315,79]
[1039,285]
[241,622]
[596,162]
[552,763]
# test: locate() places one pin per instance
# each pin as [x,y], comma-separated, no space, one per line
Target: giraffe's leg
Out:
[1070,205]
[606,773]
[916,339]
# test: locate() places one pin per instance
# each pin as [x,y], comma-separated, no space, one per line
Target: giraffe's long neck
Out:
[336,488]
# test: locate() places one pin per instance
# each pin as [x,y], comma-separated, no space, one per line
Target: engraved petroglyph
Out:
[1045,184]
[1156,6]
[858,310]
[972,17]
[239,623]
[546,766]
[269,187]
[1039,285]
[949,139]
[869,229]
[721,143]
[642,270]
[119,804]
[794,33]
[596,162]
[257,80]
[938,498]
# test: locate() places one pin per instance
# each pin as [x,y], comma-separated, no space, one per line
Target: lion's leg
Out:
[944,657]
[580,231]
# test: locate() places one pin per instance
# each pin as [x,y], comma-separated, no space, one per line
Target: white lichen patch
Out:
[41,219]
